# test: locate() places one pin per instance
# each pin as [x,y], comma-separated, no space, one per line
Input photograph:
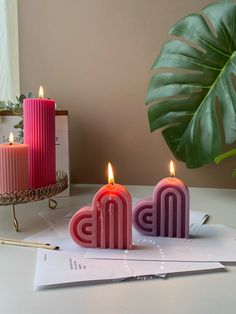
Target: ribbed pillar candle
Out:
[39,134]
[13,168]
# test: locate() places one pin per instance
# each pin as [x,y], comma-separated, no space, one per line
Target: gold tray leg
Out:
[15,222]
[52,203]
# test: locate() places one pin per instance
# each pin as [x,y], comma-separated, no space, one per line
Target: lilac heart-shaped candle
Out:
[166,214]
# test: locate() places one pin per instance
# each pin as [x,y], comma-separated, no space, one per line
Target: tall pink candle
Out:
[13,167]
[167,213]
[39,134]
[108,223]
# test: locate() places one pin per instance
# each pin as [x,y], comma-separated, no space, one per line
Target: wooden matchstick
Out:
[28,244]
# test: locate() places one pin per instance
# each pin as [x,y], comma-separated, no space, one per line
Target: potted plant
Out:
[17,109]
[191,95]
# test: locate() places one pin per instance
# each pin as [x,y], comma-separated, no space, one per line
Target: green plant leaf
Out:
[223,156]
[234,173]
[30,94]
[21,98]
[19,125]
[3,105]
[197,68]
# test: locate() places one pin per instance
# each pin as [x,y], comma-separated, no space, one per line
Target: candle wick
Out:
[10,144]
[112,183]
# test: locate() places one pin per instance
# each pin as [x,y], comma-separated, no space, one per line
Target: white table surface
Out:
[213,292]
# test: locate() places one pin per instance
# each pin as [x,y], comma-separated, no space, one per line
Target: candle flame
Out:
[172,169]
[110,174]
[11,138]
[41,92]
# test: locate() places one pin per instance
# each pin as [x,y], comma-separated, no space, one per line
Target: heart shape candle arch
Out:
[167,213]
[108,222]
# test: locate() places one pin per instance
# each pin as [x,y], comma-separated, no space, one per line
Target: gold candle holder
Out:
[34,195]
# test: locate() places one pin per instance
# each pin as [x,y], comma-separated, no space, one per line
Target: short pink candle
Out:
[39,134]
[108,223]
[167,213]
[13,167]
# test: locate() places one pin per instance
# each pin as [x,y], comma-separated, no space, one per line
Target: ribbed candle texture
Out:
[167,213]
[108,223]
[13,168]
[39,134]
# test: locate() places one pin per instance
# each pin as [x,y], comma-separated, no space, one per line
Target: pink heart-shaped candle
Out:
[107,223]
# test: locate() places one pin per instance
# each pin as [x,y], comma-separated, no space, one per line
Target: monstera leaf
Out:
[193,97]
[226,155]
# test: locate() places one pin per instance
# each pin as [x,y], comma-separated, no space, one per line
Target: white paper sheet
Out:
[58,219]
[69,265]
[60,268]
[210,243]
[43,236]
[66,266]
[196,220]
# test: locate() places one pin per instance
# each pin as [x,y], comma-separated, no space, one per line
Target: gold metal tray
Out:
[34,195]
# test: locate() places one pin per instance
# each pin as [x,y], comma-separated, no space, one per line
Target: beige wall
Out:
[94,58]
